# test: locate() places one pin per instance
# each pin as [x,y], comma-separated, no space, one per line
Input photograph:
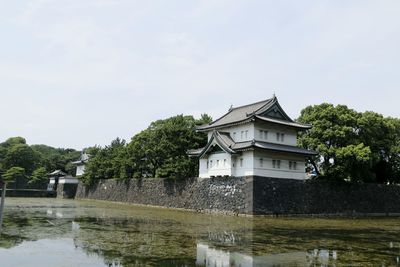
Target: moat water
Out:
[51,232]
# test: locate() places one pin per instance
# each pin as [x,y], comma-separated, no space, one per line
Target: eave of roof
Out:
[275,147]
[57,173]
[286,123]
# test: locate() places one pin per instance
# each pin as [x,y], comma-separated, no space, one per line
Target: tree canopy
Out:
[158,151]
[353,146]
[31,163]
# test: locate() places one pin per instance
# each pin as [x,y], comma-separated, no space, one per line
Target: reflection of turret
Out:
[223,237]
[208,256]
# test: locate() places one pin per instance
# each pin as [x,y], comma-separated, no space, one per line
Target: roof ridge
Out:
[251,104]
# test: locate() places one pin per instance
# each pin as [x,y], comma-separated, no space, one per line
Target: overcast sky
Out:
[80,73]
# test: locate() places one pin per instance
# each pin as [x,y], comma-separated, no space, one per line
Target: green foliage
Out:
[35,160]
[158,151]
[22,155]
[14,173]
[107,162]
[57,158]
[360,147]
[38,176]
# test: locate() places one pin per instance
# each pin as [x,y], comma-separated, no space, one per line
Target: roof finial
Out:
[230,108]
[273,96]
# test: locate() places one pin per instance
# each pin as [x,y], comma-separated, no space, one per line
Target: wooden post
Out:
[3,198]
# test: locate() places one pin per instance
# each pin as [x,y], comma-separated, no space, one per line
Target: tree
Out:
[18,140]
[56,158]
[160,150]
[15,152]
[342,155]
[107,162]
[15,175]
[38,176]
[21,155]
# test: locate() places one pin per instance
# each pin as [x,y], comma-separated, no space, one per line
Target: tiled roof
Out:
[236,114]
[57,173]
[82,159]
[250,112]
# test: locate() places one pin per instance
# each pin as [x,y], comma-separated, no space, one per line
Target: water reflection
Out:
[209,256]
[119,235]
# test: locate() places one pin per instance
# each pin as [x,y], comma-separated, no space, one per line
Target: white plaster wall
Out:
[220,169]
[215,169]
[68,180]
[248,164]
[284,172]
[290,133]
[249,127]
[203,171]
[80,170]
[251,165]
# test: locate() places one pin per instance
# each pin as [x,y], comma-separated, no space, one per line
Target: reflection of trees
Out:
[30,224]
[137,242]
[9,241]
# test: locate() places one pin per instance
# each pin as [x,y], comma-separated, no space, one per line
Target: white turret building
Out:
[80,164]
[258,139]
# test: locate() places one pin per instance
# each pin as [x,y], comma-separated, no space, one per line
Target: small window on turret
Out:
[241,162]
[261,162]
[276,164]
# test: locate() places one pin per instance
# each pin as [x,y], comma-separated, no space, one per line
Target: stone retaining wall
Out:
[227,195]
[251,195]
[66,190]
[278,196]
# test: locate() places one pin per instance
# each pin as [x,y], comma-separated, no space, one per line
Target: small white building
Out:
[258,139]
[80,164]
[59,177]
[54,178]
